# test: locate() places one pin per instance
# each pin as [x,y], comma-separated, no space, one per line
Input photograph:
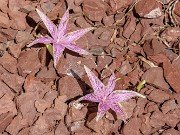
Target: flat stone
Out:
[132,127]
[73,91]
[155,76]
[9,62]
[28,62]
[159,96]
[94,9]
[148,8]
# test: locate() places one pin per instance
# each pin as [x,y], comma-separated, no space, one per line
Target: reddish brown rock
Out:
[171,72]
[108,20]
[61,129]
[58,9]
[14,5]
[158,96]
[128,108]
[27,108]
[73,91]
[82,22]
[73,7]
[118,5]
[77,115]
[177,97]
[16,125]
[52,115]
[151,107]
[137,34]
[40,127]
[103,62]
[50,96]
[18,20]
[148,8]
[37,87]
[28,62]
[5,90]
[125,68]
[155,76]
[130,26]
[9,33]
[23,36]
[146,127]
[94,9]
[3,38]
[5,120]
[9,63]
[41,105]
[83,131]
[4,5]
[153,47]
[74,64]
[61,105]
[171,34]
[14,81]
[15,49]
[168,106]
[4,20]
[24,131]
[141,103]
[172,117]
[171,131]
[101,126]
[7,105]
[156,119]
[47,74]
[132,127]
[176,12]
[47,6]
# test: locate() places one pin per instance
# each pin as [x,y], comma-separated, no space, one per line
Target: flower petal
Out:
[123,95]
[63,24]
[75,35]
[57,52]
[102,109]
[117,108]
[90,97]
[111,84]
[44,40]
[75,48]
[48,23]
[97,85]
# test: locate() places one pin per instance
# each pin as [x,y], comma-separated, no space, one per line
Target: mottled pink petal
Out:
[97,85]
[48,23]
[111,84]
[90,97]
[44,40]
[102,109]
[63,24]
[75,35]
[57,51]
[123,95]
[119,111]
[75,48]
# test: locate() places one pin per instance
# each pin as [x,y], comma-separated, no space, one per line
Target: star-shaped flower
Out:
[105,96]
[59,38]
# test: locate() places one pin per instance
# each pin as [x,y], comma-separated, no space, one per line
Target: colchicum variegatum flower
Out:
[59,38]
[106,96]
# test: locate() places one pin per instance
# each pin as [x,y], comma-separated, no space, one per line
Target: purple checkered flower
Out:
[105,96]
[59,38]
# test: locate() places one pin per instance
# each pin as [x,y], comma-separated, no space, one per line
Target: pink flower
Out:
[59,36]
[105,96]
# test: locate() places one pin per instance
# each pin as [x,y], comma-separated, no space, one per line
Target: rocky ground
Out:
[138,39]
